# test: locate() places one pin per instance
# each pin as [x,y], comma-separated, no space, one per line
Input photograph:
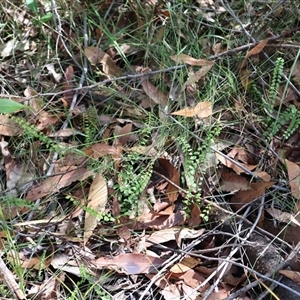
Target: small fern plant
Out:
[195,166]
[132,182]
[277,119]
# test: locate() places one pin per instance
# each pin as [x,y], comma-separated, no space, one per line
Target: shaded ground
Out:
[157,152]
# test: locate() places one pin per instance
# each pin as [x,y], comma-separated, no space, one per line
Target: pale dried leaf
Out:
[97,200]
[258,48]
[193,78]
[130,263]
[294,178]
[96,55]
[293,275]
[183,58]
[154,93]
[55,183]
[9,127]
[282,216]
[201,110]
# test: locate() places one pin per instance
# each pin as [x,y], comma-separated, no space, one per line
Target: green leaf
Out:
[45,18]
[32,5]
[9,106]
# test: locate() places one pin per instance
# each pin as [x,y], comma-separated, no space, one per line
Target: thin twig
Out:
[10,281]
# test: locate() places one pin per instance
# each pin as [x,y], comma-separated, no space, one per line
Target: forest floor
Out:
[150,149]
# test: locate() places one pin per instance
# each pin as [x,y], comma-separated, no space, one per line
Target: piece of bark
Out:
[262,255]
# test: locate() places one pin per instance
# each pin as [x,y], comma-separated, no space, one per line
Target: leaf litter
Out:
[111,164]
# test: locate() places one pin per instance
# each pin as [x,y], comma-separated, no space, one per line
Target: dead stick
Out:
[10,281]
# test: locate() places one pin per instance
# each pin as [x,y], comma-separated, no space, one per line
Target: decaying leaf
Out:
[201,110]
[195,77]
[55,183]
[130,263]
[293,275]
[226,162]
[185,264]
[183,58]
[174,176]
[282,216]
[154,93]
[101,149]
[96,56]
[258,48]
[294,178]
[9,127]
[256,190]
[233,182]
[97,200]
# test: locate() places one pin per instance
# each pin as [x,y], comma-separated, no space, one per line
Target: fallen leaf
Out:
[192,279]
[183,58]
[55,183]
[154,93]
[101,149]
[233,182]
[294,178]
[9,127]
[195,218]
[171,292]
[226,162]
[185,264]
[258,48]
[97,200]
[195,77]
[282,216]
[257,189]
[201,110]
[293,275]
[244,75]
[174,176]
[96,55]
[130,263]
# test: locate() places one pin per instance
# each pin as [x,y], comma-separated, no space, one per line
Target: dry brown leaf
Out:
[55,183]
[152,220]
[226,162]
[9,127]
[195,77]
[68,85]
[263,175]
[97,200]
[62,133]
[185,264]
[293,275]
[171,292]
[101,149]
[258,48]
[96,55]
[233,182]
[183,58]
[245,78]
[125,134]
[174,176]
[282,216]
[195,218]
[294,178]
[244,197]
[154,93]
[130,263]
[192,279]
[34,101]
[201,110]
